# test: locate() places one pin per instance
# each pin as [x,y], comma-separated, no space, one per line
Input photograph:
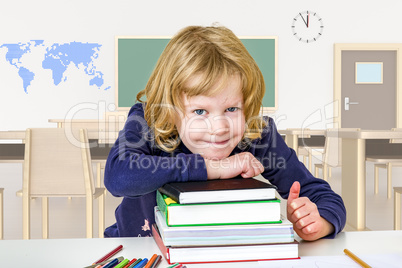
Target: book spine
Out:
[170,191]
[159,243]
[160,202]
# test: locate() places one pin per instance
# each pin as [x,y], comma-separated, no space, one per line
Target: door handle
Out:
[347,103]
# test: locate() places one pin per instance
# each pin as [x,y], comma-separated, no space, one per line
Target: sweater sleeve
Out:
[283,168]
[136,167]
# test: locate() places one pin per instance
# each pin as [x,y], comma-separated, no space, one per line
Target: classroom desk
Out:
[20,135]
[82,252]
[292,136]
[99,142]
[354,171]
[12,152]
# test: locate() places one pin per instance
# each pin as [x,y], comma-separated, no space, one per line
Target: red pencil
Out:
[131,262]
[110,254]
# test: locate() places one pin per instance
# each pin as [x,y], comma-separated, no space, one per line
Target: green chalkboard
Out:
[136,58]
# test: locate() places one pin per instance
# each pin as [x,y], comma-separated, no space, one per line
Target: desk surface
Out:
[367,134]
[92,134]
[82,252]
[300,131]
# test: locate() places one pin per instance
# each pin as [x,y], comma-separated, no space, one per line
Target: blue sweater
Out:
[136,167]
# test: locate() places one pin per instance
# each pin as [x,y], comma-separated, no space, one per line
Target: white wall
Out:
[305,70]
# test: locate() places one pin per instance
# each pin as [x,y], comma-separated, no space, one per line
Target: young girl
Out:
[200,121]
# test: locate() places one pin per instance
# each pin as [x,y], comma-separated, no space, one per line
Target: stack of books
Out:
[222,221]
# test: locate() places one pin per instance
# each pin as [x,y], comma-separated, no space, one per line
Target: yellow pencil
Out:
[356,259]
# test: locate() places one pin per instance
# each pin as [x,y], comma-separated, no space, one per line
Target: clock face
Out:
[307,26]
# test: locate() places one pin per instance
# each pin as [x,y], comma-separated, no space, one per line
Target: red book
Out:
[230,253]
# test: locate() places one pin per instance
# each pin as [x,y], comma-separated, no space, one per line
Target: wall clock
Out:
[307,26]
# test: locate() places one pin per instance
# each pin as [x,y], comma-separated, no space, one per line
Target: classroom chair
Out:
[1,214]
[386,162]
[332,153]
[108,134]
[59,165]
[305,151]
[397,208]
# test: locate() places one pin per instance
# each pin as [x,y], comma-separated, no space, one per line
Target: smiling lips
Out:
[218,142]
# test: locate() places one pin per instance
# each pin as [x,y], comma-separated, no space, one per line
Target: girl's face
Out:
[213,126]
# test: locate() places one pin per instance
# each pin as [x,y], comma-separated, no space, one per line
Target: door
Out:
[366,103]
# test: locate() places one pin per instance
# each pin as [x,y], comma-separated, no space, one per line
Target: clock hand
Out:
[303,19]
[308,18]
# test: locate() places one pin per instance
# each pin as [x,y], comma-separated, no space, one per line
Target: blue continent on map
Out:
[57,58]
[14,55]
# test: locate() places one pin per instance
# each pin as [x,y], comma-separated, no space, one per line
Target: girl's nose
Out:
[220,125]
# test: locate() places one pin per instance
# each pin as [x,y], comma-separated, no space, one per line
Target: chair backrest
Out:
[57,164]
[114,122]
[333,146]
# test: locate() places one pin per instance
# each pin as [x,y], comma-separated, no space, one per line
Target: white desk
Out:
[82,252]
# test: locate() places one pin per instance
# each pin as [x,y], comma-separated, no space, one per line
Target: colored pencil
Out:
[135,263]
[175,265]
[131,262]
[122,263]
[110,254]
[103,263]
[111,264]
[142,263]
[356,259]
[156,262]
[151,261]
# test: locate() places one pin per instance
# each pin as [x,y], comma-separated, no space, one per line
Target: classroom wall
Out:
[305,83]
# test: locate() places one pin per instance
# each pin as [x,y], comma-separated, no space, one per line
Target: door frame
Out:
[338,48]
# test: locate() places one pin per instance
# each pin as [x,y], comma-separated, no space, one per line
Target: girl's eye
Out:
[232,109]
[200,112]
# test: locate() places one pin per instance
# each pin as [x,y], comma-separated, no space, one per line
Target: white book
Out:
[224,234]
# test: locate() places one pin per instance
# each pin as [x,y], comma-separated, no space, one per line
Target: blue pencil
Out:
[111,264]
[142,263]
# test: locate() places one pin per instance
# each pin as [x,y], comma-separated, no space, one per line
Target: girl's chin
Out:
[215,155]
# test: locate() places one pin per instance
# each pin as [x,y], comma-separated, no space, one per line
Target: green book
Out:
[222,213]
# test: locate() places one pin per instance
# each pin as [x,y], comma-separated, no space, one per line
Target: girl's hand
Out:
[304,215]
[244,164]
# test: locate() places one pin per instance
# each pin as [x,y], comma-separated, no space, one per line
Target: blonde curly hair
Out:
[214,54]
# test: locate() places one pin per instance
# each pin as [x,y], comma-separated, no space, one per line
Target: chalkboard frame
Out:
[272,65]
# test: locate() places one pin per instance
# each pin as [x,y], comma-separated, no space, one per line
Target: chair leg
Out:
[325,172]
[45,217]
[89,211]
[101,214]
[376,168]
[316,171]
[1,214]
[25,216]
[98,175]
[397,210]
[389,180]
[305,160]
